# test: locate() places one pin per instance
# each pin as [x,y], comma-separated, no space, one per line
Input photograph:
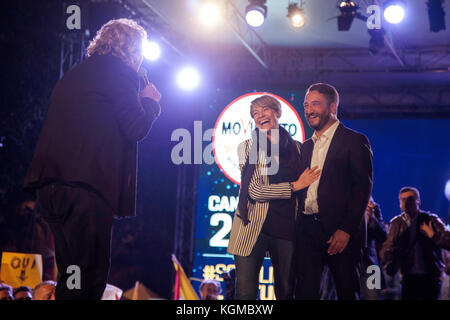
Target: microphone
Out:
[143,74]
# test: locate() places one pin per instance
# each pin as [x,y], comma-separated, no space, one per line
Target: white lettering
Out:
[74,20]
[374,280]
[374,20]
[74,281]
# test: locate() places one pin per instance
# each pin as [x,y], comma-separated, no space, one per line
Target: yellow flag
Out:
[135,291]
[21,269]
[183,288]
[140,292]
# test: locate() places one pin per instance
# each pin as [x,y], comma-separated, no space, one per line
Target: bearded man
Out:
[331,224]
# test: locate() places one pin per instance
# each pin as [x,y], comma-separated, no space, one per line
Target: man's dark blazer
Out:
[91,130]
[345,183]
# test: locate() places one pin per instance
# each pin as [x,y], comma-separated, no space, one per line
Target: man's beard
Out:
[323,120]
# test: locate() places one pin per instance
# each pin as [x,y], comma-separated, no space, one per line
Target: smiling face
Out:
[266,111]
[318,111]
[265,118]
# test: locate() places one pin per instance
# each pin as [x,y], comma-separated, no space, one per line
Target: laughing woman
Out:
[265,217]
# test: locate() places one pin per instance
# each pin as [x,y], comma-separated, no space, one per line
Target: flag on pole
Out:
[140,292]
[183,288]
[135,291]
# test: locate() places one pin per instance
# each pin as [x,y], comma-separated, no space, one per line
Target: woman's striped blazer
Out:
[243,238]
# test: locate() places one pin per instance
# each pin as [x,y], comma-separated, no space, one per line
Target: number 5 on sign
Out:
[21,269]
[218,239]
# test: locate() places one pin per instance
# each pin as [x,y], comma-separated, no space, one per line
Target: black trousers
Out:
[81,222]
[421,287]
[311,257]
[248,268]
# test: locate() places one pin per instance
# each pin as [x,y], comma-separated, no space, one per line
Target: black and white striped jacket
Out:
[243,238]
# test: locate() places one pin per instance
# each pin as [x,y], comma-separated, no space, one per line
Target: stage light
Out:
[296,16]
[210,13]
[436,15]
[447,190]
[256,12]
[394,12]
[346,4]
[348,13]
[188,78]
[151,50]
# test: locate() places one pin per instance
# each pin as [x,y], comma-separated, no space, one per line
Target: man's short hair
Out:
[266,101]
[406,189]
[327,90]
[22,288]
[7,287]
[121,38]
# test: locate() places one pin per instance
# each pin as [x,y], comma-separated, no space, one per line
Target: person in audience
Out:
[442,240]
[23,293]
[376,235]
[210,289]
[419,258]
[45,291]
[230,284]
[6,292]
[440,237]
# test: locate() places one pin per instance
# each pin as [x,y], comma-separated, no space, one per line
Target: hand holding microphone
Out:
[150,90]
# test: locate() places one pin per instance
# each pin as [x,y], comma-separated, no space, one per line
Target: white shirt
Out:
[320,151]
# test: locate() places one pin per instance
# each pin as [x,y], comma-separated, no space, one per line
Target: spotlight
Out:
[151,50]
[348,13]
[210,13]
[256,12]
[447,190]
[188,78]
[296,16]
[394,11]
[436,15]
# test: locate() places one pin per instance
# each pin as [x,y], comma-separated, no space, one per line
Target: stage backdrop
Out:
[410,151]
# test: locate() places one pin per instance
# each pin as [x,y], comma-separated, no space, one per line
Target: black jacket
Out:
[442,239]
[345,183]
[90,134]
[376,235]
[398,252]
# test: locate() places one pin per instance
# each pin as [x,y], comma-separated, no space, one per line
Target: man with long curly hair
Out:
[84,168]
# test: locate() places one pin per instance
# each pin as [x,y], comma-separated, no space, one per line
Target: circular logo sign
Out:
[234,125]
